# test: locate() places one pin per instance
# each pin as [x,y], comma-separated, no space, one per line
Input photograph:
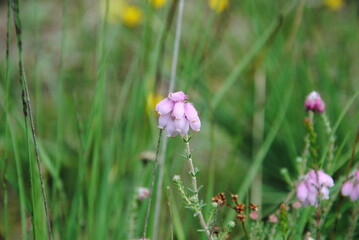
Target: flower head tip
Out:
[314,103]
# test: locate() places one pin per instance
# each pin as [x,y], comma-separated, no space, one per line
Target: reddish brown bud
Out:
[253,207]
[241,217]
[239,208]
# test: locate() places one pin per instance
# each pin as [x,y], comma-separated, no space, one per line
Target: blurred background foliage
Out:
[94,84]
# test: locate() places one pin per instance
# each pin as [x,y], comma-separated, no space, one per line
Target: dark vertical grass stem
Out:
[7,80]
[27,106]
[152,184]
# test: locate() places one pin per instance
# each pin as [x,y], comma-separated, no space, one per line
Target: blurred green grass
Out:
[90,88]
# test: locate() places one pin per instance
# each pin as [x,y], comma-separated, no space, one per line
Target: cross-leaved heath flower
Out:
[177,115]
[351,187]
[314,186]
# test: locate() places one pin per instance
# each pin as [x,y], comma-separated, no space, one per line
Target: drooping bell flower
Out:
[177,115]
[351,187]
[314,186]
[314,103]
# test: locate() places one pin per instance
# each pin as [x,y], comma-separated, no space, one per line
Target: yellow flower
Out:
[218,5]
[157,3]
[131,15]
[120,11]
[152,100]
[334,4]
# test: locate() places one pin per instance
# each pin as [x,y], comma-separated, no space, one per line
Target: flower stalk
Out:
[331,135]
[194,171]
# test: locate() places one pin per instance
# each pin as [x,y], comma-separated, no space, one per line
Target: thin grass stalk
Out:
[81,171]
[258,130]
[20,183]
[159,187]
[176,46]
[27,108]
[296,25]
[152,184]
[354,220]
[38,101]
[5,198]
[170,89]
[7,97]
[169,20]
[60,206]
[245,230]
[60,87]
[262,41]
[95,137]
[170,210]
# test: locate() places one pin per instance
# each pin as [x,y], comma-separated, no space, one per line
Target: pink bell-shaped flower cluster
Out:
[313,187]
[177,115]
[314,103]
[351,187]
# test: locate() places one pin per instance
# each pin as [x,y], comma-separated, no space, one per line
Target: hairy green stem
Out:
[305,154]
[331,135]
[195,188]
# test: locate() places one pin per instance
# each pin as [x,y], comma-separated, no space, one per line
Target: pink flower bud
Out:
[163,120]
[313,186]
[165,106]
[302,191]
[254,215]
[356,175]
[273,218]
[177,96]
[182,125]
[178,110]
[296,205]
[190,112]
[347,188]
[325,179]
[351,187]
[314,103]
[195,125]
[171,128]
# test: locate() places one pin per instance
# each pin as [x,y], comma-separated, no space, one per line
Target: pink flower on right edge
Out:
[177,115]
[351,187]
[313,186]
[314,103]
